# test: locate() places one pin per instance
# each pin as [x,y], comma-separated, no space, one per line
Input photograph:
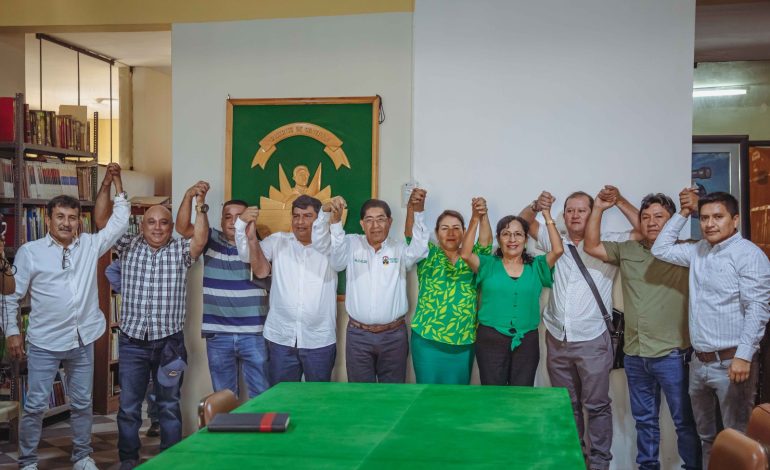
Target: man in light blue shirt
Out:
[59,273]
[729,296]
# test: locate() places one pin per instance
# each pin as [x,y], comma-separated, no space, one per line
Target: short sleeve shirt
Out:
[446,306]
[655,296]
[512,306]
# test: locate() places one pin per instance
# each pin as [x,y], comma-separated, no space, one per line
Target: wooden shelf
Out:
[47,150]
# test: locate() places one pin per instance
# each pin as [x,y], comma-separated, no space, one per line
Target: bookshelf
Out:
[42,155]
[106,392]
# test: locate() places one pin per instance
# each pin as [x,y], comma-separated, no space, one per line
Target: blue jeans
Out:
[646,377]
[226,350]
[152,407]
[43,366]
[139,361]
[711,391]
[288,364]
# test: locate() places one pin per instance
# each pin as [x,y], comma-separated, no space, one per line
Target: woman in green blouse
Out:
[507,343]
[444,323]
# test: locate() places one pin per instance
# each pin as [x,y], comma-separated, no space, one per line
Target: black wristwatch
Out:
[202,208]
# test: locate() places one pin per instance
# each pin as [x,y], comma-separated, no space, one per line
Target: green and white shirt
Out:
[446,306]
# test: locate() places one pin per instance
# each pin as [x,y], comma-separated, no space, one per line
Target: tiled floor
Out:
[56,446]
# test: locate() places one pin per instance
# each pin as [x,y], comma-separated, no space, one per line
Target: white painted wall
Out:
[511,98]
[12,58]
[310,57]
[753,121]
[152,126]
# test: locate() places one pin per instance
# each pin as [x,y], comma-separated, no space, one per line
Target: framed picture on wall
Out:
[720,163]
[279,149]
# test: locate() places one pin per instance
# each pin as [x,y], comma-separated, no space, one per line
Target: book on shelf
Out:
[6,178]
[70,129]
[114,385]
[7,121]
[115,309]
[114,351]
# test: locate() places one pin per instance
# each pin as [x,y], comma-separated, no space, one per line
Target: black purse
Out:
[615,323]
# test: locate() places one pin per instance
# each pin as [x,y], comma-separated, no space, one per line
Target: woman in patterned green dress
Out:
[444,323]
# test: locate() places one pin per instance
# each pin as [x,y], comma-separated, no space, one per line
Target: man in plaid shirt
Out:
[151,321]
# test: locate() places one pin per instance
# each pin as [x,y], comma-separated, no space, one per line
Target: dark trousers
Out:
[376,357]
[139,361]
[498,365]
[288,364]
[583,368]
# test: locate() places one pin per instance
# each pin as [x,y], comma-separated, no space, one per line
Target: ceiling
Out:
[725,30]
[732,30]
[140,49]
[60,67]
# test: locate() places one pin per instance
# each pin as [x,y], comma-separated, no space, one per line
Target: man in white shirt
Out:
[375,296]
[579,346]
[300,329]
[59,273]
[729,296]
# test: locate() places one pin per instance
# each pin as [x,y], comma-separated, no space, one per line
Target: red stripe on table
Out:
[266,425]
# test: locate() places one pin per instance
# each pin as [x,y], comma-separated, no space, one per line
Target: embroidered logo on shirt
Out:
[359,260]
[386,261]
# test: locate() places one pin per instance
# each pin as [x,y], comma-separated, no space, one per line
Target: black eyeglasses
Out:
[65,258]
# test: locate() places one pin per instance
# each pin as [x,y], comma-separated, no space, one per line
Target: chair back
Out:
[223,401]
[733,450]
[759,424]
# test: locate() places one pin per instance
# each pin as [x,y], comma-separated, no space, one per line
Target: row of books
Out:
[19,389]
[6,178]
[69,129]
[33,224]
[48,179]
[114,350]
[135,224]
[115,302]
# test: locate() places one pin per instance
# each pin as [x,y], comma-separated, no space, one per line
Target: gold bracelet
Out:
[550,222]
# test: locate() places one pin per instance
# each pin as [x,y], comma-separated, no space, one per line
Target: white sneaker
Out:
[30,467]
[86,463]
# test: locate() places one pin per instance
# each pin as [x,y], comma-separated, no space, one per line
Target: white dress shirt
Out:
[572,311]
[65,302]
[375,293]
[729,289]
[303,294]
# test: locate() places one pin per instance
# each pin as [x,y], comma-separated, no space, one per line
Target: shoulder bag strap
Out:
[592,286]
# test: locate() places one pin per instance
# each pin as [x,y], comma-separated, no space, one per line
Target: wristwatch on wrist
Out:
[534,207]
[201,208]
[122,194]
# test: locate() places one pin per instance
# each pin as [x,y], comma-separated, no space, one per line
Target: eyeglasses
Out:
[65,258]
[377,220]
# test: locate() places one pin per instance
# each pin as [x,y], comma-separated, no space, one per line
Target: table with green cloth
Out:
[356,425]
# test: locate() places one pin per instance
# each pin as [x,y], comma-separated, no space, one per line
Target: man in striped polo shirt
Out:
[234,306]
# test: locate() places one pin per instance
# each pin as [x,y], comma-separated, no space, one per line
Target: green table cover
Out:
[373,426]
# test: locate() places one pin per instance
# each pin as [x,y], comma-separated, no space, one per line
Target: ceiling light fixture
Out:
[703,92]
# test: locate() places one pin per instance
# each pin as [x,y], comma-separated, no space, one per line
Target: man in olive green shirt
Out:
[656,336]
